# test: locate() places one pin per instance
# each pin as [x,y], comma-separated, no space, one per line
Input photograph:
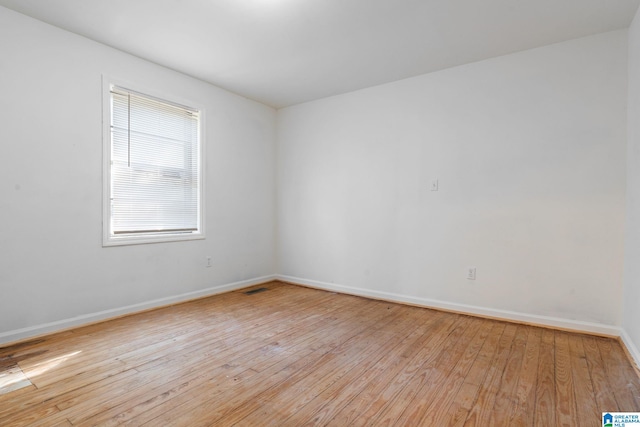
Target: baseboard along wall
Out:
[10,337]
[31,332]
[510,316]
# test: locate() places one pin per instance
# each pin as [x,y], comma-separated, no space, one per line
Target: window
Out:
[153,183]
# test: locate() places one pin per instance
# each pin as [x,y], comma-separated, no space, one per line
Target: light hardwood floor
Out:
[293,356]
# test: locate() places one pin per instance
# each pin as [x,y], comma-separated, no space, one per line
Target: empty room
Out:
[319,212]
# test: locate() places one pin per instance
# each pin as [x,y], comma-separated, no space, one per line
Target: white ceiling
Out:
[283,52]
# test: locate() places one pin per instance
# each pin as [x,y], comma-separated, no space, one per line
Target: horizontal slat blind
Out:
[154,166]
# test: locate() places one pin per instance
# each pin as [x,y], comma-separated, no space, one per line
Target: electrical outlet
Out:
[471,273]
[434,185]
[208,261]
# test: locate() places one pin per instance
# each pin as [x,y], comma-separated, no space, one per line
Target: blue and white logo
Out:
[607,420]
[620,419]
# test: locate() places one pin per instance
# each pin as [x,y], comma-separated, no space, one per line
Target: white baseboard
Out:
[554,322]
[631,347]
[85,319]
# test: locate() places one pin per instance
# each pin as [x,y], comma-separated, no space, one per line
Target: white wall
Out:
[54,271]
[631,323]
[529,151]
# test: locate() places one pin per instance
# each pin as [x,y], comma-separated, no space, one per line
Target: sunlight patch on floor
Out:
[12,378]
[41,368]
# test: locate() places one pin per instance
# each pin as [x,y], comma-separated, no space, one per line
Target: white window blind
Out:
[155,166]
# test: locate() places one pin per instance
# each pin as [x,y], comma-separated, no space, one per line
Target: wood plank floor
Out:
[292,356]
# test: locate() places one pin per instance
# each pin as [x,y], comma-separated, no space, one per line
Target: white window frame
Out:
[108,238]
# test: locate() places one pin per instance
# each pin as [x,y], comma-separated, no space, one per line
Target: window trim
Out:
[109,239]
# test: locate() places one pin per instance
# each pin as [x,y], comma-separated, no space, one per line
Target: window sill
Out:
[140,240]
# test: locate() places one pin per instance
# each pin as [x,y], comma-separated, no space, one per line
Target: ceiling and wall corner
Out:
[285,52]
